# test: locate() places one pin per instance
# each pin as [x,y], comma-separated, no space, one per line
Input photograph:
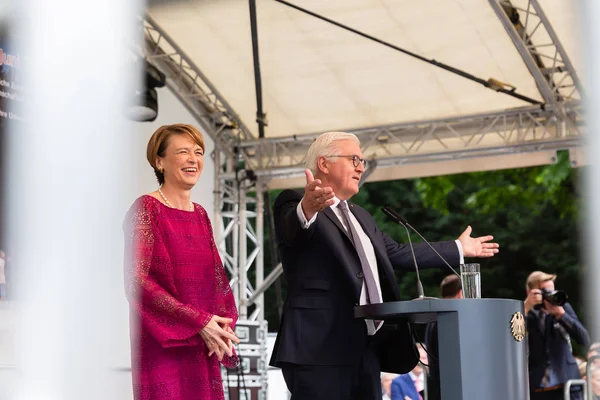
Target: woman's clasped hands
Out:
[219,337]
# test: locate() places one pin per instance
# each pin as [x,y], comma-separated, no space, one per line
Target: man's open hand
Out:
[316,198]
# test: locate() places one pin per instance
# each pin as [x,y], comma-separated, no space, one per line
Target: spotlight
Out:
[144,106]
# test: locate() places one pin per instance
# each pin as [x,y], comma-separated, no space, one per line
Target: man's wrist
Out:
[559,313]
[461,253]
[307,215]
[302,217]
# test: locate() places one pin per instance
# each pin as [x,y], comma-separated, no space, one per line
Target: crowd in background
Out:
[414,385]
[407,386]
[422,383]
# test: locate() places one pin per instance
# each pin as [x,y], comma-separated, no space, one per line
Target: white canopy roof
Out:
[318,77]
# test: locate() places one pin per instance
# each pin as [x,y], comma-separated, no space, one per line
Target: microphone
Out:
[396,217]
[399,219]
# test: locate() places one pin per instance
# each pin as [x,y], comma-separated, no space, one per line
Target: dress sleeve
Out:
[169,321]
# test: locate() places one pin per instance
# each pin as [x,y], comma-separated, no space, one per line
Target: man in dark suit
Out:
[334,258]
[550,331]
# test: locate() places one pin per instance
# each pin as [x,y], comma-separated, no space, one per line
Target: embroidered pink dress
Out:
[175,284]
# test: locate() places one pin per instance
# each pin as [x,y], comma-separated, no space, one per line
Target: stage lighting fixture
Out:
[144,106]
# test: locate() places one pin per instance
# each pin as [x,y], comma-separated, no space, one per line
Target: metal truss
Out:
[539,46]
[519,130]
[239,205]
[193,88]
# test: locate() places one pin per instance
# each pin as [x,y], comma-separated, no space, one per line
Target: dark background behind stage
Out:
[10,101]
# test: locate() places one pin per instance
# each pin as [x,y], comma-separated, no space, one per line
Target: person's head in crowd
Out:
[386,383]
[451,287]
[536,283]
[540,280]
[176,153]
[336,159]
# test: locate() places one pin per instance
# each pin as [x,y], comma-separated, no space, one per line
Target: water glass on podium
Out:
[471,281]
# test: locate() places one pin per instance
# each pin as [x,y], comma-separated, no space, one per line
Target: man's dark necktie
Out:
[372,293]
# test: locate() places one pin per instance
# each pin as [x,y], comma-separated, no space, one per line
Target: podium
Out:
[482,344]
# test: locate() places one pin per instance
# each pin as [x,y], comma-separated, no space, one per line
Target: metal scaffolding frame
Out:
[539,46]
[241,241]
[513,131]
[246,166]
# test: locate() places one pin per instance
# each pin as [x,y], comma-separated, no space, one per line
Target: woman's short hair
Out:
[325,145]
[157,145]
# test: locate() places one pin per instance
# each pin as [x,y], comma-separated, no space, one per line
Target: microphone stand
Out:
[420,292]
[399,219]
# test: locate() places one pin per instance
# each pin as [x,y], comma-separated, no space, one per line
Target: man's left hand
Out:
[557,311]
[477,247]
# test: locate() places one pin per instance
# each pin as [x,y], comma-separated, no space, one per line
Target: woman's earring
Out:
[161,170]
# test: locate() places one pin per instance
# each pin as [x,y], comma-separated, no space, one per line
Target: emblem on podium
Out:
[517,326]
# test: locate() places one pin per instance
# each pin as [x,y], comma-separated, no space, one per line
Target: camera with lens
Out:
[554,297]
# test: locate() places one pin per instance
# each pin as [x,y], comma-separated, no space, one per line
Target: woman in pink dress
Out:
[181,306]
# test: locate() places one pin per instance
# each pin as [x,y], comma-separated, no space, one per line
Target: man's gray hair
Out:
[325,145]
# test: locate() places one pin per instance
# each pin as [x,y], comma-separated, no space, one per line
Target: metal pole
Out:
[66,233]
[260,116]
[576,382]
[589,375]
[242,252]
[260,238]
[218,198]
[591,14]
[235,237]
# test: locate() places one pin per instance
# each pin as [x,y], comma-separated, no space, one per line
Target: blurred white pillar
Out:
[591,33]
[68,166]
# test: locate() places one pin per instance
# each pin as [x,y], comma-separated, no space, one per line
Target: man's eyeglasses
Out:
[356,160]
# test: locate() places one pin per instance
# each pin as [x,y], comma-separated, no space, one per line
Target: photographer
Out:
[551,325]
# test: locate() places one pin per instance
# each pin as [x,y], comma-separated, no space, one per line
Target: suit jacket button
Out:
[360,275]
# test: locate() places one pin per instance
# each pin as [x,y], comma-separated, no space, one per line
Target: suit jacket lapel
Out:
[347,254]
[383,265]
[334,218]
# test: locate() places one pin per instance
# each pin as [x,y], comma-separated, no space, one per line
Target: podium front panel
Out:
[482,344]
